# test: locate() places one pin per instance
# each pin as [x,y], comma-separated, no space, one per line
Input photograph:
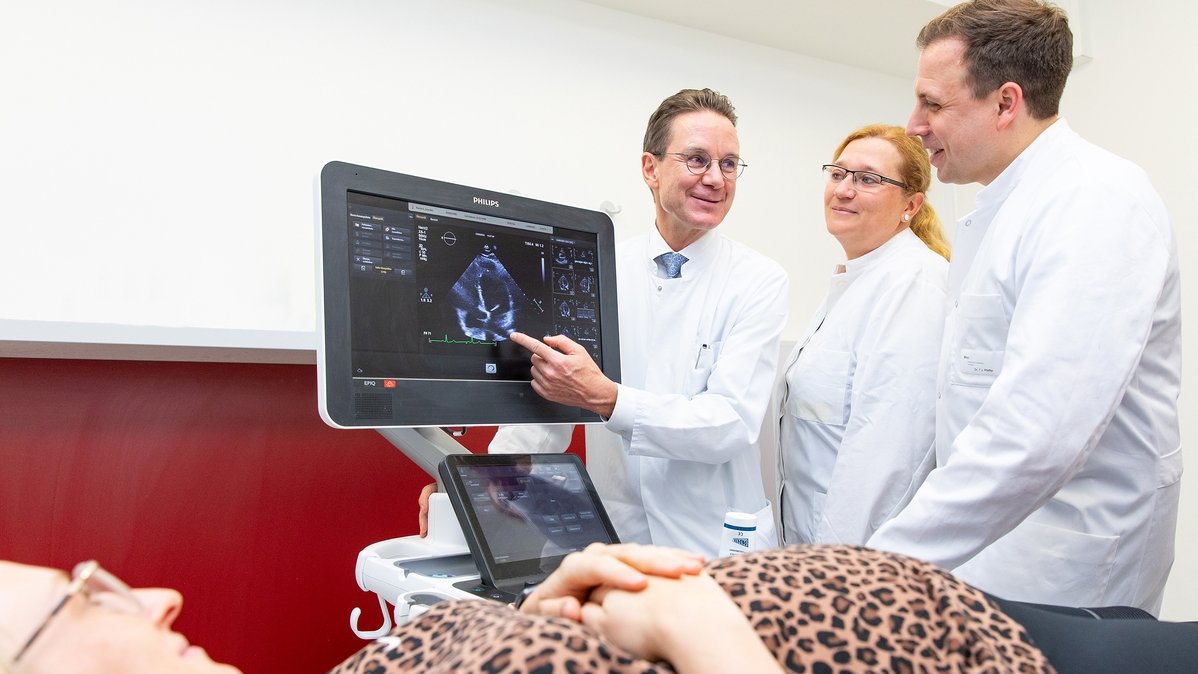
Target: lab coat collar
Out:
[973,228]
[853,269]
[855,266]
[698,255]
[998,190]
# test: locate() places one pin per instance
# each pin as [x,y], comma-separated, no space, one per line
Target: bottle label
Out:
[738,539]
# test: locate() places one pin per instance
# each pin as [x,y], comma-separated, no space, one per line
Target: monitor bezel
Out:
[509,576]
[432,402]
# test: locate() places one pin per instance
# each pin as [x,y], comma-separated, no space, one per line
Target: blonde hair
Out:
[916,171]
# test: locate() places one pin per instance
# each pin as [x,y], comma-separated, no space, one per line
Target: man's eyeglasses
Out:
[98,586]
[866,181]
[698,163]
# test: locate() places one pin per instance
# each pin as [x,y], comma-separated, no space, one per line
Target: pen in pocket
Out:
[699,358]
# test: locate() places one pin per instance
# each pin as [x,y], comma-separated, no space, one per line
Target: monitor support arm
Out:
[424,445]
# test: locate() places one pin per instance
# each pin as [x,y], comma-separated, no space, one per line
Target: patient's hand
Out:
[626,567]
[429,490]
[687,621]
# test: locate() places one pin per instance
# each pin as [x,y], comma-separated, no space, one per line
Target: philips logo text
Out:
[486,202]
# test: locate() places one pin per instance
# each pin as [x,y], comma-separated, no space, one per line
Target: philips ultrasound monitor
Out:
[421,282]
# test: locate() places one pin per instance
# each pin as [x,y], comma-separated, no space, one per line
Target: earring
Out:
[906,216]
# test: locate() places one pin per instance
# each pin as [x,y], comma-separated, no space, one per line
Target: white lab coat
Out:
[1058,449]
[858,414]
[698,356]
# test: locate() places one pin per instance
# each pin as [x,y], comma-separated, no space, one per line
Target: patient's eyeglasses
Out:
[99,587]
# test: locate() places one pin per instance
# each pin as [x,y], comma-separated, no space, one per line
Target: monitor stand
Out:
[375,570]
[424,445]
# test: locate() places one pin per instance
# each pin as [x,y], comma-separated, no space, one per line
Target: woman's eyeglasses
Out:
[866,181]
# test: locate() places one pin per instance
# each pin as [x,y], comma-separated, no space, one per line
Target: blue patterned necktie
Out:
[670,264]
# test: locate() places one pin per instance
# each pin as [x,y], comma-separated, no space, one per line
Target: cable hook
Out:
[356,614]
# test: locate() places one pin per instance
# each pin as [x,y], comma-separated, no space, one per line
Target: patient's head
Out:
[90,623]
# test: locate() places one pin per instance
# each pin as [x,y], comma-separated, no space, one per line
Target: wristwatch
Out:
[529,588]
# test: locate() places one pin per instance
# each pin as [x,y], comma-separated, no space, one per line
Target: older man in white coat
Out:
[1058,449]
[700,319]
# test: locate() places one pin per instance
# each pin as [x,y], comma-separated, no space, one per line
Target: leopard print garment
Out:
[818,608]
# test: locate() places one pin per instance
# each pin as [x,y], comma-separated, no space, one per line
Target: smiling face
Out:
[862,220]
[959,131]
[688,206]
[87,636]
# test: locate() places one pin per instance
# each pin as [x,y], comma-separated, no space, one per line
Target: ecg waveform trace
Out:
[471,341]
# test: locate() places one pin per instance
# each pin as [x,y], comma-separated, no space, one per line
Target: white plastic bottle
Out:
[740,534]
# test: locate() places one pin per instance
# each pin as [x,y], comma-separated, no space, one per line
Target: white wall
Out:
[157,157]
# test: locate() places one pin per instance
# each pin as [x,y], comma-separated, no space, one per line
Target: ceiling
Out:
[877,35]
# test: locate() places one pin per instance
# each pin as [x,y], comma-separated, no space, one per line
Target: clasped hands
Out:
[630,593]
[657,603]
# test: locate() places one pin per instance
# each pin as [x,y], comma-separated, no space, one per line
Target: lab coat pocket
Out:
[1060,562]
[982,335]
[706,354]
[975,367]
[1168,470]
[820,386]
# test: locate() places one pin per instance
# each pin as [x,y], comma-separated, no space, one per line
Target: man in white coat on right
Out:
[1058,449]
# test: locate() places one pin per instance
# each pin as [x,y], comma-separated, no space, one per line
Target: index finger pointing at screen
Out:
[530,343]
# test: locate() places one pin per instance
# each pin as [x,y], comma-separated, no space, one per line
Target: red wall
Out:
[217,479]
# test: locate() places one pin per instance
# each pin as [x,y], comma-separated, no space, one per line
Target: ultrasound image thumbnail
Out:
[487,301]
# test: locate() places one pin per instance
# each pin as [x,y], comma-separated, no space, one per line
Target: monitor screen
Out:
[521,514]
[422,281]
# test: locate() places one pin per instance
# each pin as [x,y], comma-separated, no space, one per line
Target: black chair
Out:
[1115,639]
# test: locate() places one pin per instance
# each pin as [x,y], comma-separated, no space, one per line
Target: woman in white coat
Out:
[858,395]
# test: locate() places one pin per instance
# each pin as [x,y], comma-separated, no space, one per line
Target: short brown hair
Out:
[657,134]
[1027,42]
